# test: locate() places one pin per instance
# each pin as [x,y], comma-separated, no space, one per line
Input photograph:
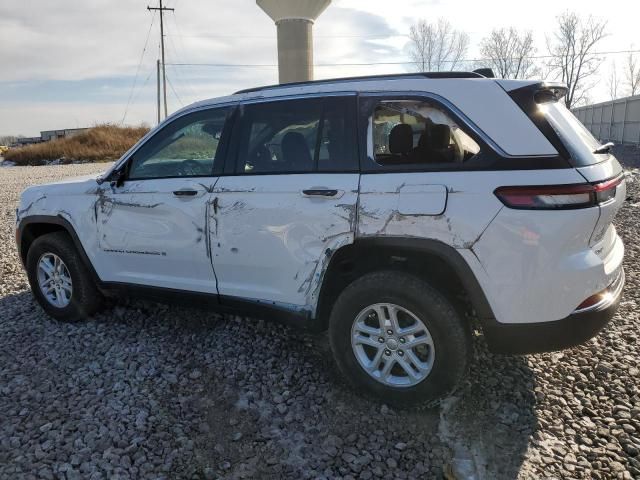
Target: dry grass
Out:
[99,144]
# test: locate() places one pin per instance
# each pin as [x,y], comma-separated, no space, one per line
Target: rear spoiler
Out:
[485,72]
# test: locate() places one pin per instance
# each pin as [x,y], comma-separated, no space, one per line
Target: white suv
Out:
[388,210]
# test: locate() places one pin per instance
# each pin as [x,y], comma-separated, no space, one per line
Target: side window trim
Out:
[225,141]
[350,162]
[321,127]
[125,163]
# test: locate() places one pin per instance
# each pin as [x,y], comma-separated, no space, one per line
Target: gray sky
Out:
[68,63]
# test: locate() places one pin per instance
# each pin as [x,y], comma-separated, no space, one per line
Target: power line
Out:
[392,35]
[144,49]
[363,64]
[143,85]
[182,79]
[174,92]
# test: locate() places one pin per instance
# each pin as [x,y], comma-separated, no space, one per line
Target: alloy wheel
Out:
[392,345]
[54,280]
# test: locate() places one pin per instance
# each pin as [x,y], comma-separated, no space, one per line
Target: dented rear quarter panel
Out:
[467,197]
[532,265]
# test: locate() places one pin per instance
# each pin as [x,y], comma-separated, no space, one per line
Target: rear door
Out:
[289,202]
[152,228]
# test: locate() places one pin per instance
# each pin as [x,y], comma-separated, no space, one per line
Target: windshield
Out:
[574,135]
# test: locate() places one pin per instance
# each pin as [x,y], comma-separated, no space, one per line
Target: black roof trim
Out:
[367,77]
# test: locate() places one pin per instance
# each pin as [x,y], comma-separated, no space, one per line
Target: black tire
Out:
[450,333]
[86,299]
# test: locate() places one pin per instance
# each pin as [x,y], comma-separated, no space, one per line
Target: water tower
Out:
[294,19]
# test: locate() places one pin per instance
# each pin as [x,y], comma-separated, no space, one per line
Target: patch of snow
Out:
[464,461]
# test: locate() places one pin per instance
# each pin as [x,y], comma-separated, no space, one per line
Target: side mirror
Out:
[116,177]
[120,177]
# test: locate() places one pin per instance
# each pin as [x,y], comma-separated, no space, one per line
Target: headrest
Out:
[401,139]
[212,128]
[295,149]
[423,142]
[440,135]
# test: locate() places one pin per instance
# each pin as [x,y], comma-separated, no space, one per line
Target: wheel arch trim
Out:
[448,254]
[66,226]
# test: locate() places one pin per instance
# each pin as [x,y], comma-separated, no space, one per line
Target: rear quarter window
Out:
[419,133]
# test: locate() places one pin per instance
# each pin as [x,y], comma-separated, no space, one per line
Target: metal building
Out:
[617,120]
[64,133]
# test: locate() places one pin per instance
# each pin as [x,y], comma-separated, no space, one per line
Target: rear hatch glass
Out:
[579,141]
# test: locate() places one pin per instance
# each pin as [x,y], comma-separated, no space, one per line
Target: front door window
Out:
[187,147]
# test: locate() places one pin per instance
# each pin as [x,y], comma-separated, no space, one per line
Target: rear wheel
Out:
[395,336]
[59,280]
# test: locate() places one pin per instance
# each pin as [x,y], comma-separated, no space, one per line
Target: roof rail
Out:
[367,77]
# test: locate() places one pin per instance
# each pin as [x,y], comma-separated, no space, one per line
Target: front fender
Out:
[30,227]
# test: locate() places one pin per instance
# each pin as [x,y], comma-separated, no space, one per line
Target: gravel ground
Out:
[151,391]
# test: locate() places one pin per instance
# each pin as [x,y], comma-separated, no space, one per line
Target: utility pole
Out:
[164,73]
[158,88]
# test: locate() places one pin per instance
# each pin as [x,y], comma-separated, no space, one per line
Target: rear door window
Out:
[279,137]
[298,136]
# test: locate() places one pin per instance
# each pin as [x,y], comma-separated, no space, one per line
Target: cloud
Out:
[68,61]
[66,58]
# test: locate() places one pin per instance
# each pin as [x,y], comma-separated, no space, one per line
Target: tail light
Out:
[559,197]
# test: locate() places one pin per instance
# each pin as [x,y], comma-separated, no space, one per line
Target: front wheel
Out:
[395,336]
[59,280]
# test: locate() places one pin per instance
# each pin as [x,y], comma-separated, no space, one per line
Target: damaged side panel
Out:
[273,242]
[71,200]
[452,207]
[149,235]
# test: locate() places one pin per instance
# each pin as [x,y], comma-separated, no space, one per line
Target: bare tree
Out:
[614,81]
[7,139]
[434,47]
[509,53]
[571,48]
[632,73]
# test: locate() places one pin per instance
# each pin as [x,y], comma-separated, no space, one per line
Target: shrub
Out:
[102,143]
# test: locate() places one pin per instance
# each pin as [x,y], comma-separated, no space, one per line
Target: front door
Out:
[153,227]
[290,203]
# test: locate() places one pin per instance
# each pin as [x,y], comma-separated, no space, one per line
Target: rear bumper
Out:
[539,337]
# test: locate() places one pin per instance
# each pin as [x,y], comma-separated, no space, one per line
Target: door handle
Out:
[185,193]
[320,192]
